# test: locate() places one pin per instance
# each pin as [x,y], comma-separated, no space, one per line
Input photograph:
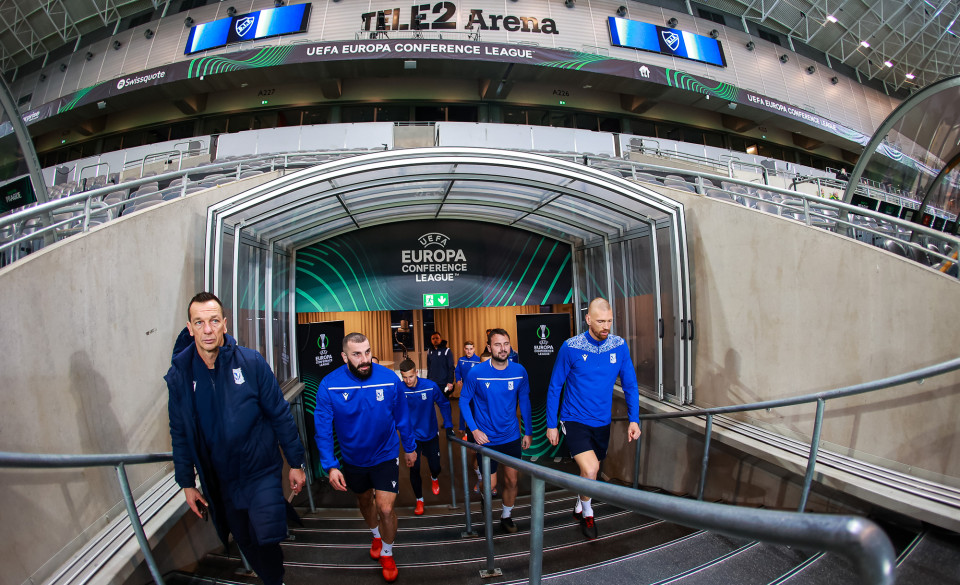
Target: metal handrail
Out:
[118,461]
[839,205]
[161,156]
[819,398]
[93,166]
[860,540]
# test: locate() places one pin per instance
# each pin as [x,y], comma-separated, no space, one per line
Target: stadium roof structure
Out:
[882,39]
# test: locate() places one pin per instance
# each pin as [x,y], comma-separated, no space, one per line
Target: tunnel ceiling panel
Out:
[564,199]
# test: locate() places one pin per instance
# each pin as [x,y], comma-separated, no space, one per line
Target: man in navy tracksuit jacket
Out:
[364,403]
[589,365]
[488,403]
[227,418]
[440,364]
[421,397]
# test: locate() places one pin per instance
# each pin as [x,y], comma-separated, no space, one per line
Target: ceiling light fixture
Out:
[911,76]
[832,18]
[865,44]
[888,63]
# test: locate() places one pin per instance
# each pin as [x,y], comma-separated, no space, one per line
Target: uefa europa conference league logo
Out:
[543,347]
[435,262]
[324,358]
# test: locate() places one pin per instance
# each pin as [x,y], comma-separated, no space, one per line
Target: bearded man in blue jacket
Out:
[493,392]
[227,420]
[364,403]
[588,365]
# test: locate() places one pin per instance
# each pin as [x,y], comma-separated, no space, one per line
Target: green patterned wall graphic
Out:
[76,98]
[684,81]
[266,57]
[540,446]
[579,61]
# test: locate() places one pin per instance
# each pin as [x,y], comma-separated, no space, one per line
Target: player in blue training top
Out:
[364,402]
[489,403]
[421,396]
[589,365]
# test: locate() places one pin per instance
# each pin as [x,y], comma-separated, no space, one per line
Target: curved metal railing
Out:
[820,398]
[856,538]
[118,461]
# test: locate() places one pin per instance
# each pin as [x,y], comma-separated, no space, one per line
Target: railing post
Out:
[137,526]
[706,456]
[470,532]
[487,502]
[86,215]
[537,488]
[812,460]
[453,486]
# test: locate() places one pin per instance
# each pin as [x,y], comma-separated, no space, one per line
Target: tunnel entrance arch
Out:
[627,243]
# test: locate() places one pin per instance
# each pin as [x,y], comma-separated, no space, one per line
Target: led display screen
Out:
[668,41]
[247,27]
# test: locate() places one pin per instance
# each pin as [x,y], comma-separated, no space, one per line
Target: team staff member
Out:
[440,364]
[227,418]
[421,397]
[589,365]
[488,403]
[365,404]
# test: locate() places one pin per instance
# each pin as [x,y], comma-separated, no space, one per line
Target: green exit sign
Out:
[436,300]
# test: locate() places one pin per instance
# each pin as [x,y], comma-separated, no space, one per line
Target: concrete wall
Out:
[783,309]
[88,327]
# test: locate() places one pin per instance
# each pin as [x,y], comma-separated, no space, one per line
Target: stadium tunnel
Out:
[627,243]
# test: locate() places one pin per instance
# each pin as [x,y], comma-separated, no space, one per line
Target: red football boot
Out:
[435,487]
[419,509]
[390,571]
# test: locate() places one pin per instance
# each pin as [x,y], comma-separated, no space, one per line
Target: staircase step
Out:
[563,531]
[821,569]
[934,559]
[437,528]
[564,549]
[350,518]
[754,563]
[651,565]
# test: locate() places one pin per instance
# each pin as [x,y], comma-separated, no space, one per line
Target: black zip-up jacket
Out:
[440,365]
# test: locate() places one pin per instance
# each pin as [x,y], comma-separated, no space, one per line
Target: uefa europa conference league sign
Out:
[440,263]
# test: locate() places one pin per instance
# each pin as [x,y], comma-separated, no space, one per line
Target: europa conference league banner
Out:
[433,264]
[539,337]
[274,56]
[319,346]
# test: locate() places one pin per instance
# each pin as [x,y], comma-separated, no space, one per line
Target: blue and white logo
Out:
[671,38]
[423,396]
[379,394]
[244,25]
[238,376]
[613,358]
[510,385]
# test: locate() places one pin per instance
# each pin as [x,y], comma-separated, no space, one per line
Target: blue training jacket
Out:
[489,400]
[464,365]
[590,369]
[423,416]
[366,415]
